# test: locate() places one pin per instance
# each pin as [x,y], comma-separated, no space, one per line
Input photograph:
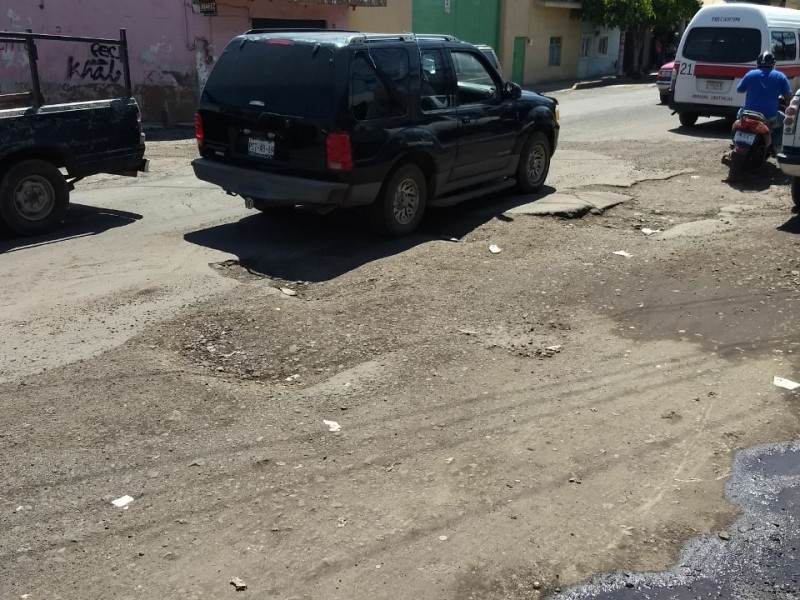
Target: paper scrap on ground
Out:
[332,426]
[622,253]
[786,384]
[122,502]
[495,249]
[288,291]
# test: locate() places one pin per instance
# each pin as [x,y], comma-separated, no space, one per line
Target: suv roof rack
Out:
[298,30]
[437,36]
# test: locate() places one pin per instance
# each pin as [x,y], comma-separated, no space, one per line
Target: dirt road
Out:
[423,418]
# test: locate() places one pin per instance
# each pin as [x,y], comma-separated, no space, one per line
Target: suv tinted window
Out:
[475,84]
[436,92]
[380,84]
[722,44]
[285,78]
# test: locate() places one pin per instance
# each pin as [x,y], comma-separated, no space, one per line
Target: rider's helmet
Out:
[765,60]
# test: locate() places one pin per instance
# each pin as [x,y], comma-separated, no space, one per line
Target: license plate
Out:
[714,86]
[744,137]
[261,148]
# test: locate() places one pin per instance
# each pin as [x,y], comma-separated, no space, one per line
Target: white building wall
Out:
[597,64]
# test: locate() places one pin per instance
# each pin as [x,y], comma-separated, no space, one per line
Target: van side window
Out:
[435,87]
[784,45]
[380,83]
[475,83]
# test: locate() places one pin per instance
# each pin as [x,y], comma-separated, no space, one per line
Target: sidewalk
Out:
[586,84]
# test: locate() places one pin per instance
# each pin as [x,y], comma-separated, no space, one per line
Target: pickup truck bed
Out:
[46,148]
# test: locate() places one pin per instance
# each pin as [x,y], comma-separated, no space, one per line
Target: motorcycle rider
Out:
[764,86]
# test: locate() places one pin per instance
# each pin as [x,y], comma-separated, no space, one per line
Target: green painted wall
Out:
[474,21]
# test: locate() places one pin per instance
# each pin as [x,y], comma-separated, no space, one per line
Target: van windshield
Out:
[722,44]
[276,76]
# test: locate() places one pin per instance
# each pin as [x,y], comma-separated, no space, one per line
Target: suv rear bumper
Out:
[283,190]
[789,161]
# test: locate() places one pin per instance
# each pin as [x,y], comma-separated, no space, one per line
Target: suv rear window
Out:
[722,44]
[276,76]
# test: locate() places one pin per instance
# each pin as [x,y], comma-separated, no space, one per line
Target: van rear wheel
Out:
[401,204]
[796,192]
[687,119]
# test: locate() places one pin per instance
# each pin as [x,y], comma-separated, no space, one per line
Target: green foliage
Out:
[638,14]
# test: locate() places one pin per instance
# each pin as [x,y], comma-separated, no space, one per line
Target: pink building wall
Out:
[172,49]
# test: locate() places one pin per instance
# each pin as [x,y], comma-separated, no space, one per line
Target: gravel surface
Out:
[315,413]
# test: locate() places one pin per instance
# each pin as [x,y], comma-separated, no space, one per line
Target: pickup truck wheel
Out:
[400,206]
[796,191]
[534,163]
[34,197]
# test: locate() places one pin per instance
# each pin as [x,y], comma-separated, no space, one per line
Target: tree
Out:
[636,17]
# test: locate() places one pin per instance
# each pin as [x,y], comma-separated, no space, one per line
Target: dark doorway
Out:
[289,24]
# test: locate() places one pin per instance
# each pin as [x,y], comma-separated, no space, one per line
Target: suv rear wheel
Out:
[401,204]
[534,163]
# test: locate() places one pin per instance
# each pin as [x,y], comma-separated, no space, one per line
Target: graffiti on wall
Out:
[101,67]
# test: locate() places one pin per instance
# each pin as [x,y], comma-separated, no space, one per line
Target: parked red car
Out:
[664,80]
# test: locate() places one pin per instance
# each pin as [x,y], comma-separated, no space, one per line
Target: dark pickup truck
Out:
[46,148]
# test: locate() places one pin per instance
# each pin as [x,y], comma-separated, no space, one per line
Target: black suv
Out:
[398,122]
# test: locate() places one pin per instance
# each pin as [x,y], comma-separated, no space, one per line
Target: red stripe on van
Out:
[720,72]
[736,72]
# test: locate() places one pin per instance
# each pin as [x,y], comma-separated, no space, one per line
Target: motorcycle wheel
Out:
[796,191]
[737,166]
[758,156]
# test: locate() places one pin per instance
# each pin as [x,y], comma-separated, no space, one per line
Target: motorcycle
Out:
[752,144]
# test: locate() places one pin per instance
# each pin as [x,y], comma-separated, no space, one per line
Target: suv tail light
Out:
[198,130]
[790,124]
[339,152]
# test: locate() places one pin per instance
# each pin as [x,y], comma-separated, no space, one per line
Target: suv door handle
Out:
[466,120]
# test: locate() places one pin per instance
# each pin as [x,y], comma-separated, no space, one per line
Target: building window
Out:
[554,59]
[602,45]
[586,46]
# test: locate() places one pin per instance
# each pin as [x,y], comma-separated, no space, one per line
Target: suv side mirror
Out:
[512,90]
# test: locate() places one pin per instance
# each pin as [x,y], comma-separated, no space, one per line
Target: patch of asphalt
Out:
[758,557]
[701,228]
[570,205]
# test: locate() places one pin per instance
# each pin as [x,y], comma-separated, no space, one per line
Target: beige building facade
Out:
[537,41]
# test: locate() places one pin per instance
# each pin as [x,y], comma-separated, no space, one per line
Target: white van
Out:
[720,45]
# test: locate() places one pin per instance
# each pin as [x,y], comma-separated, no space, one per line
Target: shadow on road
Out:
[81,221]
[769,175]
[306,246]
[716,129]
[169,134]
[792,225]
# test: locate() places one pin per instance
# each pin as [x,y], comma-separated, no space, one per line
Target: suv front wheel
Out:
[534,163]
[399,208]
